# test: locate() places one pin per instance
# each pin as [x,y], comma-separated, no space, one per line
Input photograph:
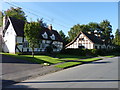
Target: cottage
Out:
[14,40]
[87,40]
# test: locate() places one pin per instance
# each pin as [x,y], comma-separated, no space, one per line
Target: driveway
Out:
[98,74]
[13,69]
[12,65]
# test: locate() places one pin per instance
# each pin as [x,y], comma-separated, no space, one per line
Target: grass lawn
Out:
[37,58]
[90,59]
[110,56]
[68,64]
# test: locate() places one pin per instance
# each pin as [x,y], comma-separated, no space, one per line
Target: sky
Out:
[64,15]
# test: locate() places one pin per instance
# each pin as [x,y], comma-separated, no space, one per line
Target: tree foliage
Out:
[64,37]
[16,13]
[106,29]
[1,18]
[32,34]
[103,28]
[75,30]
[117,38]
[93,26]
[43,24]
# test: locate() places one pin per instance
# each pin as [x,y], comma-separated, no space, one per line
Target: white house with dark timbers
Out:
[14,40]
[87,40]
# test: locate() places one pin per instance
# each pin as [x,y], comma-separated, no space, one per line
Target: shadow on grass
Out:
[22,60]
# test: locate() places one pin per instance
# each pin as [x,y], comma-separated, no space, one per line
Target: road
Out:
[99,74]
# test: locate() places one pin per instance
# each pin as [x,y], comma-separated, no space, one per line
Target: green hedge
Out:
[91,52]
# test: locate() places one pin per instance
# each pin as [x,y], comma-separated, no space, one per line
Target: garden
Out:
[67,57]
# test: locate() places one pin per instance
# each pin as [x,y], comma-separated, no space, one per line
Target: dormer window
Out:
[45,35]
[52,37]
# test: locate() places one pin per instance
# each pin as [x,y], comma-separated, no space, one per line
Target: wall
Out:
[43,45]
[9,40]
[85,42]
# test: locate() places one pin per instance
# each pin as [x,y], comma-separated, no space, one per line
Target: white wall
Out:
[86,42]
[9,40]
[43,45]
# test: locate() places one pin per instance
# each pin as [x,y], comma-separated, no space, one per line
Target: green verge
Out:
[68,64]
[48,59]
[90,59]
[37,58]
[110,56]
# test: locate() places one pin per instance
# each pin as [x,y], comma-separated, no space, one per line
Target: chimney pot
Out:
[50,27]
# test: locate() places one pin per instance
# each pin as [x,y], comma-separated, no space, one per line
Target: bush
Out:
[91,52]
[49,49]
[80,52]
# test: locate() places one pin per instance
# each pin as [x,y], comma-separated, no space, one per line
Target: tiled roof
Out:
[91,37]
[18,26]
[49,33]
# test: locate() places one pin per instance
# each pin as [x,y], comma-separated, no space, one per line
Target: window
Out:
[95,47]
[45,35]
[81,46]
[48,41]
[25,44]
[52,37]
[81,39]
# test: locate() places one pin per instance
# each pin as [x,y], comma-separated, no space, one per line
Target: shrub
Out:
[49,49]
[91,52]
[80,52]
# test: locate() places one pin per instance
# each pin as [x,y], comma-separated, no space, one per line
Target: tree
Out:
[1,18]
[32,34]
[117,38]
[42,23]
[64,37]
[75,30]
[16,12]
[106,29]
[93,26]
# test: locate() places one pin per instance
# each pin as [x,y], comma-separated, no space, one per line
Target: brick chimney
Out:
[50,27]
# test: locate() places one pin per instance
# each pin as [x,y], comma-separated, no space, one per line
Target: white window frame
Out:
[45,35]
[52,37]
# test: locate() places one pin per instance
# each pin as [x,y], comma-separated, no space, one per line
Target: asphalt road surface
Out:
[99,74]
[13,68]
[12,64]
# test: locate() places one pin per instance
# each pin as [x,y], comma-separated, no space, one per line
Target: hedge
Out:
[90,52]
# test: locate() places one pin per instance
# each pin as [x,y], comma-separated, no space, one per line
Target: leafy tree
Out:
[16,12]
[75,30]
[42,23]
[117,38]
[31,32]
[106,29]
[64,37]
[93,26]
[1,18]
